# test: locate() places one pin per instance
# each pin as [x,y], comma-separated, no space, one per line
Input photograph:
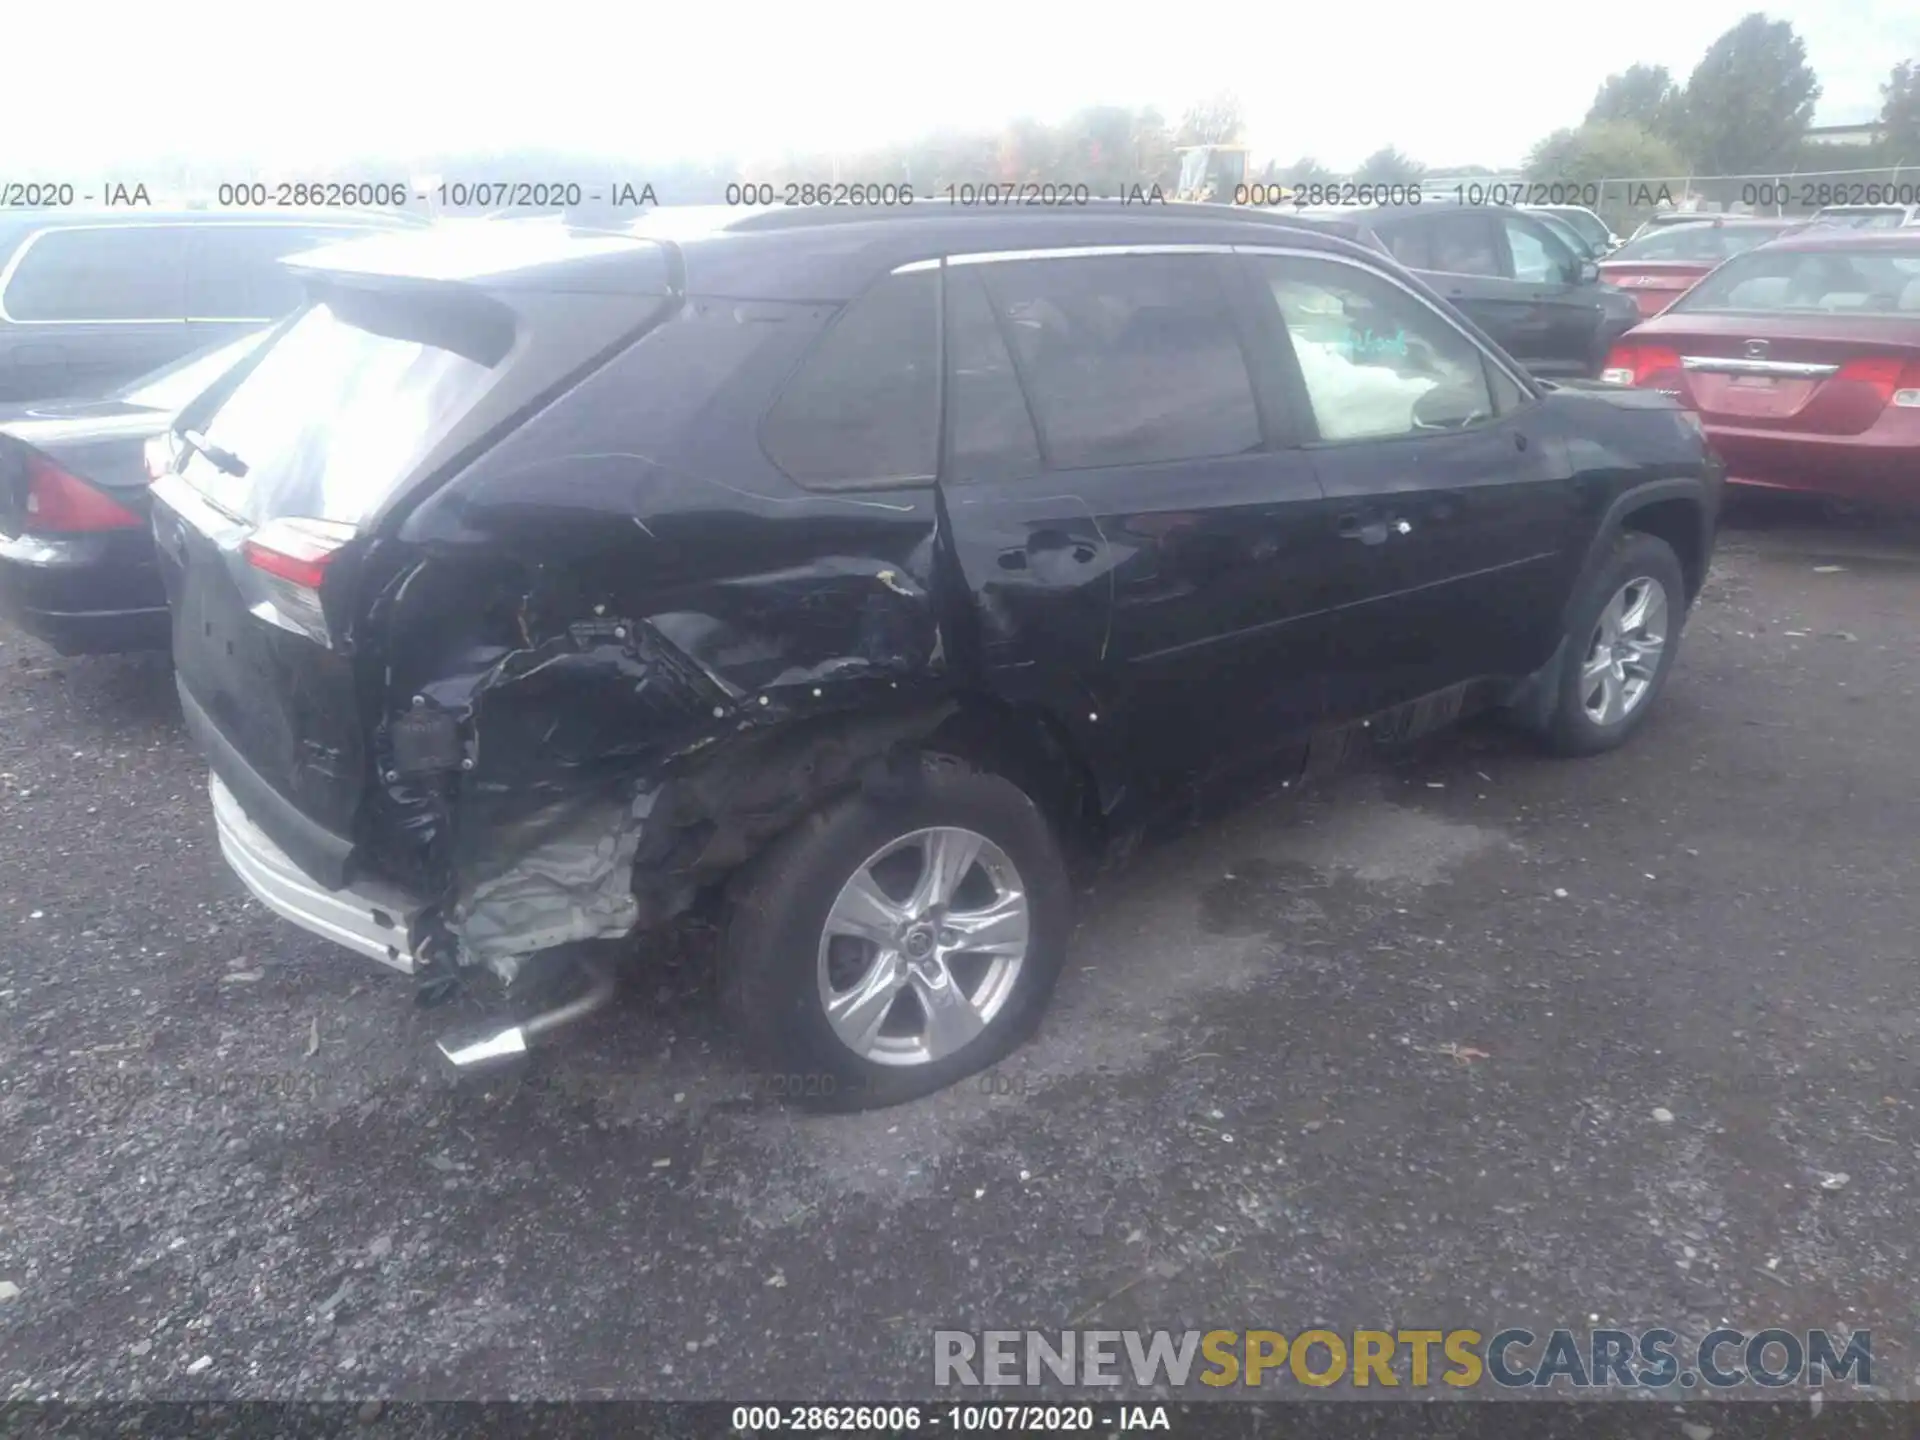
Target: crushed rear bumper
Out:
[371,918]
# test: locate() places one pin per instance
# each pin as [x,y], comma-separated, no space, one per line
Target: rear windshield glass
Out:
[1866,219]
[1696,242]
[332,418]
[1879,282]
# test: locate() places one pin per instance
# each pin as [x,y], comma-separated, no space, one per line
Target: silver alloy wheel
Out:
[1624,654]
[923,946]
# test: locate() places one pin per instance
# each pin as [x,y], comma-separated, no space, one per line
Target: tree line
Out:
[1745,109]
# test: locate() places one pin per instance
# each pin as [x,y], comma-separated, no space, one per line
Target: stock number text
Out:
[367,194]
[1811,195]
[808,193]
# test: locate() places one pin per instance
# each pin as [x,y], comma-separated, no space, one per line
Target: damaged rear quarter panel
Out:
[623,639]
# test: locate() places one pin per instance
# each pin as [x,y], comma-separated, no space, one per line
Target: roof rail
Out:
[806,217]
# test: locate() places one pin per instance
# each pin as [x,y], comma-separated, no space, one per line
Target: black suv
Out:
[91,299]
[842,571]
[1512,274]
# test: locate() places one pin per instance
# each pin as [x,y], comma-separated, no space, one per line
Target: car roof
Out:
[15,225]
[813,254]
[1740,222]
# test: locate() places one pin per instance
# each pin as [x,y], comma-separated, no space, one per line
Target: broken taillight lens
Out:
[62,504]
[292,555]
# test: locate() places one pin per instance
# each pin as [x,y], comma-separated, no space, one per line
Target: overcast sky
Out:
[88,87]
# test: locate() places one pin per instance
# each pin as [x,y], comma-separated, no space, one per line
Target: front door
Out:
[1452,518]
[1138,536]
[1568,307]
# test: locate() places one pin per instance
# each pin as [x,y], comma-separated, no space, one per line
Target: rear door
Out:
[89,307]
[1453,520]
[1138,532]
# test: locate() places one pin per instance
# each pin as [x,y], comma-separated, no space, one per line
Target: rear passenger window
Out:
[991,431]
[1127,359]
[234,271]
[1459,242]
[864,407]
[119,272]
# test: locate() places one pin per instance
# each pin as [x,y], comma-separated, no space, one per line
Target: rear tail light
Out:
[1896,382]
[1649,366]
[292,556]
[63,504]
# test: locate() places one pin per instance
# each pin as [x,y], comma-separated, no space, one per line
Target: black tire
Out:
[777,913]
[1570,730]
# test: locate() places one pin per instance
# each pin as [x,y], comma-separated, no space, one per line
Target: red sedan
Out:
[1662,265]
[1802,360]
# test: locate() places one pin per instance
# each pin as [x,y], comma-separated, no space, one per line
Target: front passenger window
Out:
[1376,361]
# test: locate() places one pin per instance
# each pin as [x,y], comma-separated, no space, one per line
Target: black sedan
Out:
[76,555]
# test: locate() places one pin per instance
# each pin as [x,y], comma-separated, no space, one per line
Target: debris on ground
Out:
[1663,1115]
[1835,1180]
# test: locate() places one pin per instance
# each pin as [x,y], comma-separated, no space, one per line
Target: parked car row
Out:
[840,575]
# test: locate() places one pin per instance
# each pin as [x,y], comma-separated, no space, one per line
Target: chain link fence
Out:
[1624,201]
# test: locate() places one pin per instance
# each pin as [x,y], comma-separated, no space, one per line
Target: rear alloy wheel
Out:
[923,947]
[1620,647]
[882,950]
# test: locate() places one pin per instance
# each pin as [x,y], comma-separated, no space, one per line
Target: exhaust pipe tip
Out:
[504,1045]
[513,1041]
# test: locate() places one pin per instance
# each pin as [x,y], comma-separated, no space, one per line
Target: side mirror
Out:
[1589,272]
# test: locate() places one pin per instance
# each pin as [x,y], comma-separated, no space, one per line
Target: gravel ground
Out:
[1388,1055]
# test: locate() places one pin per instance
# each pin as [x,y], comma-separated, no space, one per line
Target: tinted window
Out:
[865,404]
[991,430]
[121,272]
[1370,353]
[1455,242]
[1127,359]
[1588,225]
[1538,257]
[1880,282]
[233,271]
[1682,242]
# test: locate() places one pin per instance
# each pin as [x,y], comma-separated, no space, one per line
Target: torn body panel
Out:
[606,674]
[596,776]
